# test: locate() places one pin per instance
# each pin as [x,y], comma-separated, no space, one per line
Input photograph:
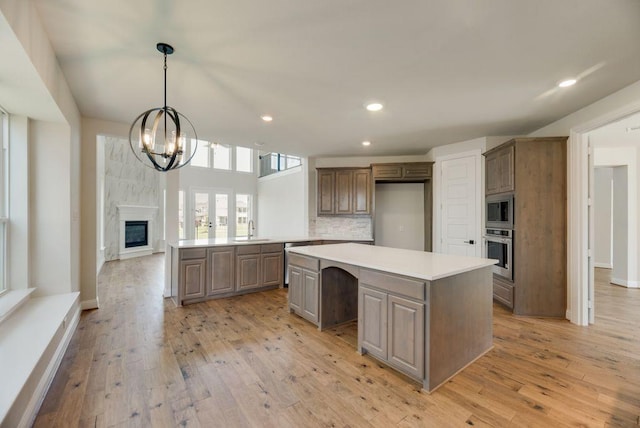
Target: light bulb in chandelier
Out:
[162,132]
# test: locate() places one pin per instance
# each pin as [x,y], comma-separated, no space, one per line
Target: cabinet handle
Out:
[471,241]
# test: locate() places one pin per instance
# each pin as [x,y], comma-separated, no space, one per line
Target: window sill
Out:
[12,300]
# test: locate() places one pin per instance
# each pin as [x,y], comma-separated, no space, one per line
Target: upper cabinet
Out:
[344,191]
[408,171]
[499,170]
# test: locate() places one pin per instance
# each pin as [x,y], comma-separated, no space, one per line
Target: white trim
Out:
[625,283]
[89,304]
[31,411]
[602,265]
[578,231]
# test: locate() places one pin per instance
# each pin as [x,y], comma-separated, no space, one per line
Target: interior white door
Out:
[460,207]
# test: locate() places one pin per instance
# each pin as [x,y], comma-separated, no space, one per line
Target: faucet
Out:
[250,229]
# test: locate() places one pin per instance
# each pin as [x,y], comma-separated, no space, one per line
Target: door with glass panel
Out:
[209,213]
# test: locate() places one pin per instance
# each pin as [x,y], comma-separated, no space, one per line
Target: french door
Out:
[209,213]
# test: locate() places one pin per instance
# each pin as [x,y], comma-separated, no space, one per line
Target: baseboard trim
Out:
[603,265]
[30,413]
[625,283]
[89,304]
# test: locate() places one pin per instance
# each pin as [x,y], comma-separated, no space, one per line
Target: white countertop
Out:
[415,264]
[218,242]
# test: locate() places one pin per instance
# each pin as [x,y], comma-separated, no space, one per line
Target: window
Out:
[4,144]
[271,163]
[243,214]
[201,156]
[221,156]
[244,158]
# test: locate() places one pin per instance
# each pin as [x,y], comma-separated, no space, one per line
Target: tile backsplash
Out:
[347,227]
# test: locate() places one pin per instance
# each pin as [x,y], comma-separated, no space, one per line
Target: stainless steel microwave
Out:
[500,211]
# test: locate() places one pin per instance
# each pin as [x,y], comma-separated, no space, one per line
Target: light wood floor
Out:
[245,361]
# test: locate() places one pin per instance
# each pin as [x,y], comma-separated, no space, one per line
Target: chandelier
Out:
[157,137]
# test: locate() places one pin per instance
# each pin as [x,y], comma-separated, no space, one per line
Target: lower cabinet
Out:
[248,271]
[392,328]
[192,276]
[220,270]
[303,293]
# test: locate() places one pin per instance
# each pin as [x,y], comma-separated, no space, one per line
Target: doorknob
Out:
[471,241]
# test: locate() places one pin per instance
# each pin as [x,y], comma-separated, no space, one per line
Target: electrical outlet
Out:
[401,228]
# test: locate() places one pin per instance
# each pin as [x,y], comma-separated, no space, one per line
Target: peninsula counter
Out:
[427,315]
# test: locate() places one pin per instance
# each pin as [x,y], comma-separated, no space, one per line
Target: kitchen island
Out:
[203,269]
[427,315]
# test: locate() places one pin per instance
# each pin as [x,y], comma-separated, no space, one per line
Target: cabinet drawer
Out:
[272,248]
[193,253]
[393,284]
[387,171]
[248,249]
[304,262]
[503,292]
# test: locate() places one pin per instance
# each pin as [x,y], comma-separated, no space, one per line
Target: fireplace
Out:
[136,233]
[136,230]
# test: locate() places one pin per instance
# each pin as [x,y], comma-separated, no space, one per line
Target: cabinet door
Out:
[387,171]
[247,271]
[372,322]
[192,278]
[272,269]
[418,170]
[505,160]
[295,289]
[344,192]
[310,300]
[220,270]
[326,192]
[362,191]
[406,336]
[492,174]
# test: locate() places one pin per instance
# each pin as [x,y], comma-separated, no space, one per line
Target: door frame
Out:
[438,192]
[212,191]
[579,226]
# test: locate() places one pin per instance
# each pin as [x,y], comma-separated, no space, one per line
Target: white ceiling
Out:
[446,71]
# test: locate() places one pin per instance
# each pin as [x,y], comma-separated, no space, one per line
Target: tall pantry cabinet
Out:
[534,170]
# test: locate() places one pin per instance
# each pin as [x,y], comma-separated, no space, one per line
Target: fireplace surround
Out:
[136,218]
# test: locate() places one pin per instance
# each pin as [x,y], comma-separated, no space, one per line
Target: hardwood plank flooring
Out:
[245,361]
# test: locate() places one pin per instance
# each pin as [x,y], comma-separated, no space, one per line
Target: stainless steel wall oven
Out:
[499,245]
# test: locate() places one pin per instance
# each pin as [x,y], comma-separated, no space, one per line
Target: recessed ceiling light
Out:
[366,143]
[567,83]
[374,107]
[267,118]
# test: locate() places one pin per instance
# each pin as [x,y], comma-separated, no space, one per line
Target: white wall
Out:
[626,187]
[282,203]
[621,273]
[50,208]
[602,203]
[400,215]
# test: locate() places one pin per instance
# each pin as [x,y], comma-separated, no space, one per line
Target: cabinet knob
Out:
[471,241]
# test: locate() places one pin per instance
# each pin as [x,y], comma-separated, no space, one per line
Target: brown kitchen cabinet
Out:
[406,171]
[304,275]
[499,170]
[220,270]
[344,191]
[535,171]
[205,273]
